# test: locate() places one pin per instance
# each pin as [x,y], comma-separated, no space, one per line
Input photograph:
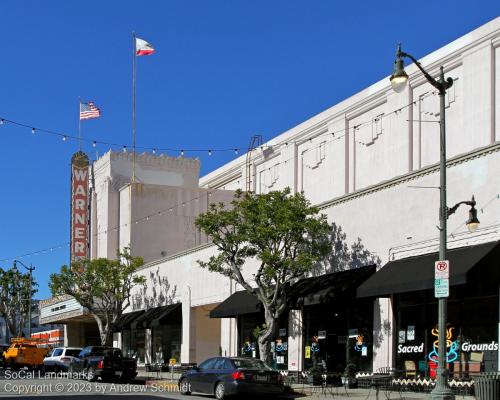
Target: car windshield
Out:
[251,363]
[72,352]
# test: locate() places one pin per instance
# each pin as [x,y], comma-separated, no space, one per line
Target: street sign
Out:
[442,270]
[441,288]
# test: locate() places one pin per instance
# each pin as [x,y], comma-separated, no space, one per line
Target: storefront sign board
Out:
[307,352]
[441,288]
[442,269]
[321,334]
[79,206]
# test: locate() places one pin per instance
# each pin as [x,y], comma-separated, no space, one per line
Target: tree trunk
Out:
[265,338]
[103,330]
[14,325]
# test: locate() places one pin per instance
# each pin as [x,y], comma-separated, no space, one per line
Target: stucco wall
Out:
[110,176]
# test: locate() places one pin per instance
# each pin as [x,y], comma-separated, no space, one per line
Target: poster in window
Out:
[410,332]
[402,337]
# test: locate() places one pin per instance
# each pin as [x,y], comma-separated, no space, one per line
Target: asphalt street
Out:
[32,385]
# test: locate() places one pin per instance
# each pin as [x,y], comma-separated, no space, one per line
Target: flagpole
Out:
[133,103]
[79,123]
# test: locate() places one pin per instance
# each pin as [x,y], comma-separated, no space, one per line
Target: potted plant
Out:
[349,378]
[315,375]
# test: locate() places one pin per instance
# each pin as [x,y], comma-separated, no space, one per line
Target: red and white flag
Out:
[143,48]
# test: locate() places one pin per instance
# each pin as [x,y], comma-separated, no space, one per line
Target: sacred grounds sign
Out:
[465,347]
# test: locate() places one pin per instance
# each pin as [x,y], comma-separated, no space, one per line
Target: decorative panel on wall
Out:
[315,168]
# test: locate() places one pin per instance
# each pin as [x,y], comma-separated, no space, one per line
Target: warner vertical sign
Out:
[79,205]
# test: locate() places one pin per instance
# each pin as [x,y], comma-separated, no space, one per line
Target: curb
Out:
[163,384]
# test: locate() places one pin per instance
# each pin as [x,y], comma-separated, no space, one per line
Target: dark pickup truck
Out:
[107,363]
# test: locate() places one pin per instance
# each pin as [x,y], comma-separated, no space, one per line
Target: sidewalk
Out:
[299,391]
[142,375]
[340,393]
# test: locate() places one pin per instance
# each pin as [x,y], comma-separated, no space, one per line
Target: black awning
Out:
[417,273]
[328,287]
[155,316]
[170,314]
[238,303]
[125,320]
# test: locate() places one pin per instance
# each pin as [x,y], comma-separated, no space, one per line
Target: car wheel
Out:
[91,376]
[220,391]
[185,387]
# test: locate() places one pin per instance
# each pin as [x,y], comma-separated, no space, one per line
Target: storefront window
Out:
[472,333]
[339,333]
[167,343]
[127,344]
[139,345]
[249,325]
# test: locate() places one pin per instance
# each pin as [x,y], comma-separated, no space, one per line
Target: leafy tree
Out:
[102,286]
[283,232]
[15,292]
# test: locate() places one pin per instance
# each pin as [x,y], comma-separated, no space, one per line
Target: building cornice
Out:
[450,56]
[176,255]
[431,169]
[434,168]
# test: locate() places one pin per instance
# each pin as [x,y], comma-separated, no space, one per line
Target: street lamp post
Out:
[30,269]
[398,82]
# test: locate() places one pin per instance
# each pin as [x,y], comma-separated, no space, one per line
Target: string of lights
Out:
[183,150]
[124,147]
[168,210]
[344,131]
[334,136]
[171,209]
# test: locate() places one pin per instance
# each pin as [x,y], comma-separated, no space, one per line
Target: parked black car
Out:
[105,362]
[223,376]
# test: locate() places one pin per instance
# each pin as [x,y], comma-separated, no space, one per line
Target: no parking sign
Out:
[442,278]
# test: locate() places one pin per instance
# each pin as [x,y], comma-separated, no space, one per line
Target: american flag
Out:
[89,110]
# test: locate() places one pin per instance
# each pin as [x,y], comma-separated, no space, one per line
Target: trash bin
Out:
[487,386]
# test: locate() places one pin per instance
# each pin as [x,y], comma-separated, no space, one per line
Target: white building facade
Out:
[371,165]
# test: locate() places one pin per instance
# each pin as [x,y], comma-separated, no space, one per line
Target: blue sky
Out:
[223,71]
